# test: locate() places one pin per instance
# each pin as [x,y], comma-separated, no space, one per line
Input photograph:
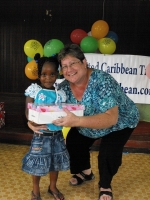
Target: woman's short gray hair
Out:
[72,50]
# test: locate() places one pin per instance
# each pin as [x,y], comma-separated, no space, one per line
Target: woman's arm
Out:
[98,121]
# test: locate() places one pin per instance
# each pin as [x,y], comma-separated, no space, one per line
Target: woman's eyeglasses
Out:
[73,64]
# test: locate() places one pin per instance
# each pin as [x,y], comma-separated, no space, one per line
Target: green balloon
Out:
[52,47]
[89,44]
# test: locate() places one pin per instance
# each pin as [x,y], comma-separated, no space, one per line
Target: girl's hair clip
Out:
[53,55]
[36,61]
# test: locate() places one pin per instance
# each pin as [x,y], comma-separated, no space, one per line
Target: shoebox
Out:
[45,114]
[2,119]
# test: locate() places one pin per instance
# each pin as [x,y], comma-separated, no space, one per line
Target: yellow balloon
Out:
[99,29]
[65,131]
[31,47]
[31,70]
[106,46]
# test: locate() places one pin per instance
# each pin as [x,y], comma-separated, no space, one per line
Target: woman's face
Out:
[73,69]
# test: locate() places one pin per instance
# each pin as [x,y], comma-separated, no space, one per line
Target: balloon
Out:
[31,47]
[112,35]
[77,35]
[52,47]
[106,46]
[89,44]
[148,70]
[99,29]
[29,59]
[65,131]
[31,70]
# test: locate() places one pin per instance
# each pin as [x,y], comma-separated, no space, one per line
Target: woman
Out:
[109,114]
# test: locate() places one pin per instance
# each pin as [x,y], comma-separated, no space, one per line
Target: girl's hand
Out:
[36,127]
[71,120]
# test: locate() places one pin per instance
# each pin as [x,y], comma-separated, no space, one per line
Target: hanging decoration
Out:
[99,38]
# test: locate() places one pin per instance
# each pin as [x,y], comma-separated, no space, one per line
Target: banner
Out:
[129,72]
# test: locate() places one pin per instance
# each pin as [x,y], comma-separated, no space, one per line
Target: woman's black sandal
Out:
[106,193]
[88,177]
[85,178]
[56,195]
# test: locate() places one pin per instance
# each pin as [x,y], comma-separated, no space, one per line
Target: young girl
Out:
[48,152]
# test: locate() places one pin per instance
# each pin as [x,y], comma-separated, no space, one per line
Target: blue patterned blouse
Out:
[102,93]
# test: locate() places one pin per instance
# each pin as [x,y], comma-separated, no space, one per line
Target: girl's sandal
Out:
[34,197]
[56,195]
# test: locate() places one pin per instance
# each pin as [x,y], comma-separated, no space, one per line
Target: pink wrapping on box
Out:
[45,114]
[55,108]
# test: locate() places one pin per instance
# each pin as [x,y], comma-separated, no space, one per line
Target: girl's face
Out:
[48,75]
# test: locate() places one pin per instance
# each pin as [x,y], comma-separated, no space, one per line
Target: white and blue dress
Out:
[47,153]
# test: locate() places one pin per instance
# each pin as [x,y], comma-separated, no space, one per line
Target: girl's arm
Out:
[33,126]
[28,100]
[36,127]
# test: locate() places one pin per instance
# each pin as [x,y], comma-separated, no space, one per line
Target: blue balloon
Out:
[112,35]
[29,59]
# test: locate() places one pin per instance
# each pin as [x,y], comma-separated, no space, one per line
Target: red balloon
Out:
[77,35]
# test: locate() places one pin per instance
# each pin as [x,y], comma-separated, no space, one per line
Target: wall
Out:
[17,131]
[24,20]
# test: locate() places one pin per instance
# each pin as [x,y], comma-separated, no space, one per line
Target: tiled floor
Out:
[132,181]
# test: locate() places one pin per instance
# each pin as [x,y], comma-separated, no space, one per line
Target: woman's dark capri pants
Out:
[110,153]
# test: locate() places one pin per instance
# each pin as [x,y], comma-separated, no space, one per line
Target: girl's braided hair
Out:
[42,60]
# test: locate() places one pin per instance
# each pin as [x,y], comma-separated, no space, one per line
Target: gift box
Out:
[45,114]
[2,118]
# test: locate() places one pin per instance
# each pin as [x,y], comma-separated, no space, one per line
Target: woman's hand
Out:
[71,120]
[36,127]
[98,121]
